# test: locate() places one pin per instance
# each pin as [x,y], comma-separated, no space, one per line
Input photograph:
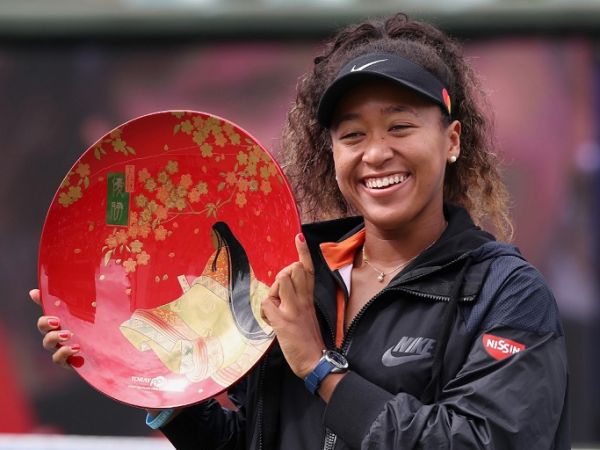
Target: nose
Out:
[377,151]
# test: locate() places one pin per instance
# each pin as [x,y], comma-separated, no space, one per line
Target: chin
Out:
[386,222]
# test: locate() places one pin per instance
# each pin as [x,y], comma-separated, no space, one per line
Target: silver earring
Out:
[452,159]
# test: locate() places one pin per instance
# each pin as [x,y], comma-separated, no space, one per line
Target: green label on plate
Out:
[117,200]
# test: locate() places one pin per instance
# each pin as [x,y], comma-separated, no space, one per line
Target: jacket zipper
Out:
[440,298]
[416,277]
[330,438]
[331,332]
[259,405]
[352,327]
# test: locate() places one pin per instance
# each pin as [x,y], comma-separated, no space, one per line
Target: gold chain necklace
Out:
[381,274]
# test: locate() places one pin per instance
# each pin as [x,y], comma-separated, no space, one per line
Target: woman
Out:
[406,325]
[214,328]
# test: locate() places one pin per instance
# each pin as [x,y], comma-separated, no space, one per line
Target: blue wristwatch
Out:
[163,417]
[330,362]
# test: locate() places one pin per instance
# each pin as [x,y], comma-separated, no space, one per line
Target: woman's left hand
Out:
[289,309]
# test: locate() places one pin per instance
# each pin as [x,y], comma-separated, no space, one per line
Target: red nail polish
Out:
[301,237]
[64,335]
[75,347]
[75,361]
[54,323]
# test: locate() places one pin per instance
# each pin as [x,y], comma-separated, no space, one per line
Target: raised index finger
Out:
[304,254]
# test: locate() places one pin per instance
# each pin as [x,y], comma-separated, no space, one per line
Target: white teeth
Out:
[378,183]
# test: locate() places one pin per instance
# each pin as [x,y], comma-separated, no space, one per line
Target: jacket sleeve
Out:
[509,394]
[209,425]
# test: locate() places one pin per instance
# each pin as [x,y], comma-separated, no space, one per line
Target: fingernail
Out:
[301,237]
[75,347]
[75,361]
[54,323]
[64,335]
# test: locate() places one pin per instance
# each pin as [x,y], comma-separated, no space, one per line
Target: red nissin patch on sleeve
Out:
[501,348]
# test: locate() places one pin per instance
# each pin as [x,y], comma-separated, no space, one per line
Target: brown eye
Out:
[399,127]
[352,135]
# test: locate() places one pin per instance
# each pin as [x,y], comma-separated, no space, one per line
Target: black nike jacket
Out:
[462,350]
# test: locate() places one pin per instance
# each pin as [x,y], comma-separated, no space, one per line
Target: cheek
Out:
[343,175]
[340,174]
[339,164]
[436,169]
[434,152]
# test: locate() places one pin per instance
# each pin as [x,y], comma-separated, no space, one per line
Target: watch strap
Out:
[316,377]
[158,421]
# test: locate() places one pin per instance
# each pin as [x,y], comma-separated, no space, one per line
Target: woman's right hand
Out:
[55,339]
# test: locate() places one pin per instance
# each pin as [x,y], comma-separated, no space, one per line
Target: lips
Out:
[385,181]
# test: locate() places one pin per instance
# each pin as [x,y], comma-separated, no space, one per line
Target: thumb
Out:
[304,254]
[35,296]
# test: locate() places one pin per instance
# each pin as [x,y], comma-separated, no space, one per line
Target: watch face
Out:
[336,359]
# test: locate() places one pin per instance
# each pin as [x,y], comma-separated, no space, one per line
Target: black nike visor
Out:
[386,66]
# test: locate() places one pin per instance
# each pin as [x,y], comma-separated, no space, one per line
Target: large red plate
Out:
[156,251]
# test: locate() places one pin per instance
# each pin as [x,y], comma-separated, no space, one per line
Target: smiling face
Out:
[390,148]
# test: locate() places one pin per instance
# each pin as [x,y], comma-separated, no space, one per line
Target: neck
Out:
[388,250]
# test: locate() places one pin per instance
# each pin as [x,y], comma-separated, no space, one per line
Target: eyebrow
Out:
[384,111]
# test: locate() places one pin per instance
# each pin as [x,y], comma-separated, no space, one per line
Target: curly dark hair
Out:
[473,182]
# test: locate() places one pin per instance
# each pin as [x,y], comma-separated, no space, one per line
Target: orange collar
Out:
[339,255]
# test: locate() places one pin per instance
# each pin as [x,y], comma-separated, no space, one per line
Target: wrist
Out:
[156,419]
[329,384]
